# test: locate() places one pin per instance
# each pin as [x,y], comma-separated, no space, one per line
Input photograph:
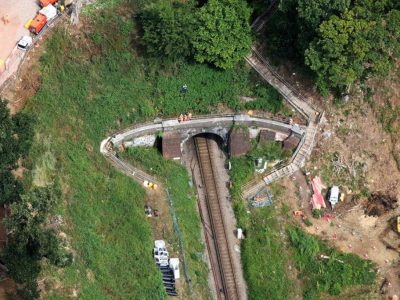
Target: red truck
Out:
[38,24]
[44,3]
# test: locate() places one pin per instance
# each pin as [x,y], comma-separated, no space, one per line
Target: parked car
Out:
[25,43]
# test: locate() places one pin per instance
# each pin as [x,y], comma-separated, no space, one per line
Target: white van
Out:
[334,196]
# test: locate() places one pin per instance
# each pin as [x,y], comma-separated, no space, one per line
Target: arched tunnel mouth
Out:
[212,136]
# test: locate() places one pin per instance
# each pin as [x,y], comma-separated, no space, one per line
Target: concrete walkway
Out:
[301,105]
[109,144]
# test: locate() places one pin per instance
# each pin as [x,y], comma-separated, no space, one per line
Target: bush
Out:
[269,151]
[268,99]
[318,213]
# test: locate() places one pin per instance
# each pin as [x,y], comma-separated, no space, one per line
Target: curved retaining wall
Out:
[218,124]
[195,126]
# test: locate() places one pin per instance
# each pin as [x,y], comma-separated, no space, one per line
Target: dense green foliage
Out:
[206,88]
[330,274]
[30,241]
[222,34]
[341,41]
[167,29]
[268,99]
[15,139]
[269,151]
[175,178]
[217,33]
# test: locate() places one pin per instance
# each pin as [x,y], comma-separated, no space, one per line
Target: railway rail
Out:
[228,285]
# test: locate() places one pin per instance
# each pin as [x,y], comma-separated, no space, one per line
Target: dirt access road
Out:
[13,16]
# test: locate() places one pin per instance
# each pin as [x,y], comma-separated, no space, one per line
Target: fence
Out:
[179,235]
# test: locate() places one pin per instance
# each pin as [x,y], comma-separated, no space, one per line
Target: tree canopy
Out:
[167,29]
[15,139]
[341,41]
[222,34]
[217,32]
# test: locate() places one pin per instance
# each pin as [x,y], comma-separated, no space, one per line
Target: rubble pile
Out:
[379,203]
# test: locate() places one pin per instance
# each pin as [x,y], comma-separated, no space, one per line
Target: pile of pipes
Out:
[169,267]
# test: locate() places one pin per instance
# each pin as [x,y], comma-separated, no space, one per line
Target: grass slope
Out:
[78,103]
[263,253]
[176,180]
[329,275]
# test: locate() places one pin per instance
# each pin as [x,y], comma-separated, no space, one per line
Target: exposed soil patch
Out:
[350,230]
[8,289]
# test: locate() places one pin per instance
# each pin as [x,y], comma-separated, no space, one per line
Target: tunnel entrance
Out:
[210,136]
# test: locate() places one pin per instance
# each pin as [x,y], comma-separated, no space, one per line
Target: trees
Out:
[349,47]
[338,54]
[222,36]
[15,140]
[217,33]
[341,41]
[30,240]
[167,29]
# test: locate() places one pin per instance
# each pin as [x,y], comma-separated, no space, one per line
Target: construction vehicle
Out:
[398,224]
[38,24]
[44,3]
[44,15]
[49,11]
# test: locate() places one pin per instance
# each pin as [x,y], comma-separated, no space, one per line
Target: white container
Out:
[174,266]
[49,11]
[239,233]
[334,196]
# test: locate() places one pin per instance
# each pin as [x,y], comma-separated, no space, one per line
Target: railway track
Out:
[224,266]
